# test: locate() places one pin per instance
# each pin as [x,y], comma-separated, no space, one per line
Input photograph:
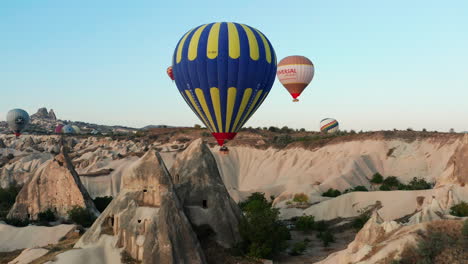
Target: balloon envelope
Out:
[68,129]
[170,72]
[58,128]
[329,125]
[76,129]
[17,120]
[224,71]
[295,73]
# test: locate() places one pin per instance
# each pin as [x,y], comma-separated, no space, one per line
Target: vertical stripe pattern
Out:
[224,71]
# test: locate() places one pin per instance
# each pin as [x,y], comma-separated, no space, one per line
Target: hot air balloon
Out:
[295,73]
[170,73]
[224,71]
[17,120]
[58,129]
[76,129]
[329,125]
[68,129]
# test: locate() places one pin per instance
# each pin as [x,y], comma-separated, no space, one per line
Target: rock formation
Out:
[41,113]
[202,192]
[52,115]
[146,219]
[56,186]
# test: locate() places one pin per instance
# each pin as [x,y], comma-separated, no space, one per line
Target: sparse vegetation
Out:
[358,188]
[331,193]
[102,202]
[377,178]
[392,183]
[46,216]
[205,134]
[298,248]
[81,216]
[262,233]
[300,198]
[17,222]
[305,223]
[361,220]
[460,210]
[7,198]
[327,237]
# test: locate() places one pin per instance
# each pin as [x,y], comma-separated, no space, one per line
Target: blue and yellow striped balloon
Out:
[224,71]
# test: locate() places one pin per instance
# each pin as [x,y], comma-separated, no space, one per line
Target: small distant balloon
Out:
[58,129]
[295,73]
[170,73]
[76,129]
[17,120]
[329,125]
[68,129]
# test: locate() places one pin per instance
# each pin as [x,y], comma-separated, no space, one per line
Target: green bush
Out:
[263,235]
[282,140]
[377,178]
[273,129]
[17,222]
[205,134]
[46,216]
[298,248]
[419,184]
[361,220]
[102,202]
[384,188]
[460,210]
[81,216]
[321,226]
[331,193]
[305,223]
[7,198]
[359,188]
[301,198]
[326,237]
[430,247]
[391,181]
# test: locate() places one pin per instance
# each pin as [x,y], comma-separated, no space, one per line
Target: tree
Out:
[305,223]
[263,235]
[460,210]
[326,237]
[81,216]
[331,193]
[301,198]
[197,126]
[377,178]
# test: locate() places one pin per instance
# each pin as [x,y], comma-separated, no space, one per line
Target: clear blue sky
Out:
[379,64]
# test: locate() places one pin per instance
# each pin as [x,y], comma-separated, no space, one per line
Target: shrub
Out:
[460,210]
[183,139]
[263,235]
[17,222]
[305,223]
[46,216]
[302,130]
[384,188]
[8,198]
[205,134]
[321,226]
[197,126]
[81,216]
[282,140]
[391,181]
[359,188]
[326,237]
[301,198]
[298,248]
[419,184]
[273,129]
[377,178]
[331,193]
[102,202]
[361,220]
